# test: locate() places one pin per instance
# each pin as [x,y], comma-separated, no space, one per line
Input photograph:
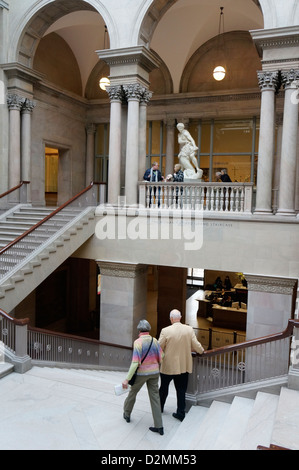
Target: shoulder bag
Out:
[132,380]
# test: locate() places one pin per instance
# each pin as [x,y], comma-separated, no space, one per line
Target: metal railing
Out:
[233,198]
[249,362]
[31,240]
[56,348]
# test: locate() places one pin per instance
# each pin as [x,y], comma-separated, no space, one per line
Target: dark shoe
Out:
[180,418]
[159,430]
[127,418]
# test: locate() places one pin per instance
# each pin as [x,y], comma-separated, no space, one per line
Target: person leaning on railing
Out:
[178,341]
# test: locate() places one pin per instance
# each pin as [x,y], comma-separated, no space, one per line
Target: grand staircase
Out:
[68,409]
[31,261]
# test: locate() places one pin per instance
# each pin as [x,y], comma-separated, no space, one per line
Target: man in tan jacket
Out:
[177,342]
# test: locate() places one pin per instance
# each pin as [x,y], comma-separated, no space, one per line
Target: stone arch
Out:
[197,75]
[157,9]
[37,20]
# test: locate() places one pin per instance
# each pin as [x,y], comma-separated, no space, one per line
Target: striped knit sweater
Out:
[153,359]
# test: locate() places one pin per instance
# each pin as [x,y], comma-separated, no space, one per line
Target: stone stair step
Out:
[187,432]
[261,421]
[286,426]
[206,434]
[5,369]
[234,426]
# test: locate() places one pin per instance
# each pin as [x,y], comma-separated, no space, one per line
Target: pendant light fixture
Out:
[219,71]
[104,81]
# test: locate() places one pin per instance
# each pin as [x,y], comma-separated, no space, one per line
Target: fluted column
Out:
[15,104]
[26,113]
[114,177]
[134,94]
[286,202]
[90,143]
[170,127]
[269,82]
[145,98]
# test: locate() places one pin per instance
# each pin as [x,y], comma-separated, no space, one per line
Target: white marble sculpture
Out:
[187,155]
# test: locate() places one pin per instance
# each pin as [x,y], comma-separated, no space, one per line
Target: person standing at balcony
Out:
[151,175]
[177,342]
[147,357]
[225,177]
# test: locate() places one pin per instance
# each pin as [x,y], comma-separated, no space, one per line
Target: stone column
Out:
[286,202]
[270,306]
[15,104]
[170,126]
[268,81]
[145,98]
[134,94]
[123,301]
[26,140]
[114,177]
[90,143]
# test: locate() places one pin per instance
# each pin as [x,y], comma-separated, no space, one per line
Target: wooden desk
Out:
[204,308]
[228,317]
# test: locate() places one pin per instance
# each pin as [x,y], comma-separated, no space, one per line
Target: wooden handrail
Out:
[253,342]
[15,321]
[14,189]
[49,216]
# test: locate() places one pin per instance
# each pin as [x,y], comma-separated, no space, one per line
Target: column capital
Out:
[146,96]
[128,270]
[15,102]
[28,106]
[290,78]
[134,91]
[91,128]
[115,93]
[269,80]
[275,285]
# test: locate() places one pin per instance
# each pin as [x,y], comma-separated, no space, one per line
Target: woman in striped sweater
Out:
[147,357]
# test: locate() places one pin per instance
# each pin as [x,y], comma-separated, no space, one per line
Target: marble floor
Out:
[62,409]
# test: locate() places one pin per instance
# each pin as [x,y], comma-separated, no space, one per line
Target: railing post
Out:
[248,198]
[142,194]
[21,360]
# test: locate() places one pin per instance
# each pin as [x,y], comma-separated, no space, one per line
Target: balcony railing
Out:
[229,198]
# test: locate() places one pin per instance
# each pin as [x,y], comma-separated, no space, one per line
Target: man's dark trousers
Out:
[180,383]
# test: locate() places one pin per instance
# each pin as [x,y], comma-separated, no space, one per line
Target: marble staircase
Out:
[53,244]
[68,409]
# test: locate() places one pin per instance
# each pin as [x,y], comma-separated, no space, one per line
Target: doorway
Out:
[51,176]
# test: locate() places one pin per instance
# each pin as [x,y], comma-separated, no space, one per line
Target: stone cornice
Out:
[127,270]
[274,285]
[130,55]
[276,38]
[4,4]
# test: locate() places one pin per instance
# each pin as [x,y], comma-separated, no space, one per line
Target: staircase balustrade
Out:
[31,240]
[250,362]
[232,198]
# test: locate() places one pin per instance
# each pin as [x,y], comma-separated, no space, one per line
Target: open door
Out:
[51,176]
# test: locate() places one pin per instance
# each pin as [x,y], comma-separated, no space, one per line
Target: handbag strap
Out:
[147,351]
